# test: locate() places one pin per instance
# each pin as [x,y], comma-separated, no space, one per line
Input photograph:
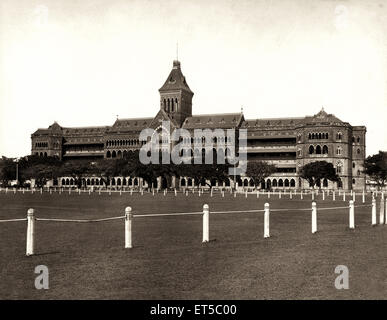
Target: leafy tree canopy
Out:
[314,172]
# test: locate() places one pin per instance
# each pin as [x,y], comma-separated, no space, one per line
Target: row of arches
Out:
[118,153]
[41,145]
[280,183]
[171,104]
[196,140]
[41,154]
[245,182]
[99,182]
[318,149]
[320,135]
[129,142]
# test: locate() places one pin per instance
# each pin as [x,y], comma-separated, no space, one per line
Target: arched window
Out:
[338,151]
[177,109]
[114,154]
[313,136]
[118,182]
[172,105]
[325,183]
[318,150]
[311,150]
[189,182]
[319,135]
[88,182]
[119,154]
[67,182]
[292,183]
[124,181]
[358,139]
[213,182]
[274,182]
[108,154]
[358,151]
[97,182]
[71,181]
[251,183]
[63,182]
[182,182]
[353,165]
[353,181]
[113,182]
[339,168]
[338,136]
[280,183]
[325,149]
[286,183]
[246,183]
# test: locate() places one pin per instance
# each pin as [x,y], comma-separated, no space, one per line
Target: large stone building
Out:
[288,143]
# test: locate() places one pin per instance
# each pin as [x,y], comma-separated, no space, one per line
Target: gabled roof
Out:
[132,124]
[220,120]
[175,80]
[272,122]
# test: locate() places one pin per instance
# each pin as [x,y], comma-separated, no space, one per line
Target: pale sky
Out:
[81,63]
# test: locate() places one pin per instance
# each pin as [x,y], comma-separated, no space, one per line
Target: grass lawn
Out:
[168,261]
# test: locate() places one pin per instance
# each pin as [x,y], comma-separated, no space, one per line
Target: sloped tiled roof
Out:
[175,80]
[220,120]
[132,124]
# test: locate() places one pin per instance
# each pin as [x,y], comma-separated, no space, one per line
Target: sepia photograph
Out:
[193,151]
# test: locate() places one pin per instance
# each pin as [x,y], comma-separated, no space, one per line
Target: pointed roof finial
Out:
[241,109]
[177,51]
[117,116]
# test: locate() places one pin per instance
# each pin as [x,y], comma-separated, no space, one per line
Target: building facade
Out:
[288,143]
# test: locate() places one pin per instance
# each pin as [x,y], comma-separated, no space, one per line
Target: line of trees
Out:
[42,169]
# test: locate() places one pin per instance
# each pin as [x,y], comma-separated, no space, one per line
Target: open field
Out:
[168,261]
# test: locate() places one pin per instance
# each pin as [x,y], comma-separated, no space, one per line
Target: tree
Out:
[41,169]
[259,170]
[203,172]
[7,170]
[314,172]
[376,168]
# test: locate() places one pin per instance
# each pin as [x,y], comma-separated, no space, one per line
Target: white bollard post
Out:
[211,192]
[222,193]
[153,192]
[268,194]
[246,194]
[344,196]
[199,192]
[385,207]
[323,194]
[312,195]
[175,193]
[235,194]
[363,197]
[334,196]
[6,190]
[186,193]
[41,190]
[290,195]
[279,194]
[30,247]
[257,194]
[354,196]
[164,192]
[266,221]
[301,195]
[131,191]
[314,217]
[90,191]
[79,191]
[351,215]
[374,212]
[128,227]
[206,223]
[142,191]
[381,212]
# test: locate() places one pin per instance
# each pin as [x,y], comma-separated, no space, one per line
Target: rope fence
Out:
[325,194]
[128,218]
